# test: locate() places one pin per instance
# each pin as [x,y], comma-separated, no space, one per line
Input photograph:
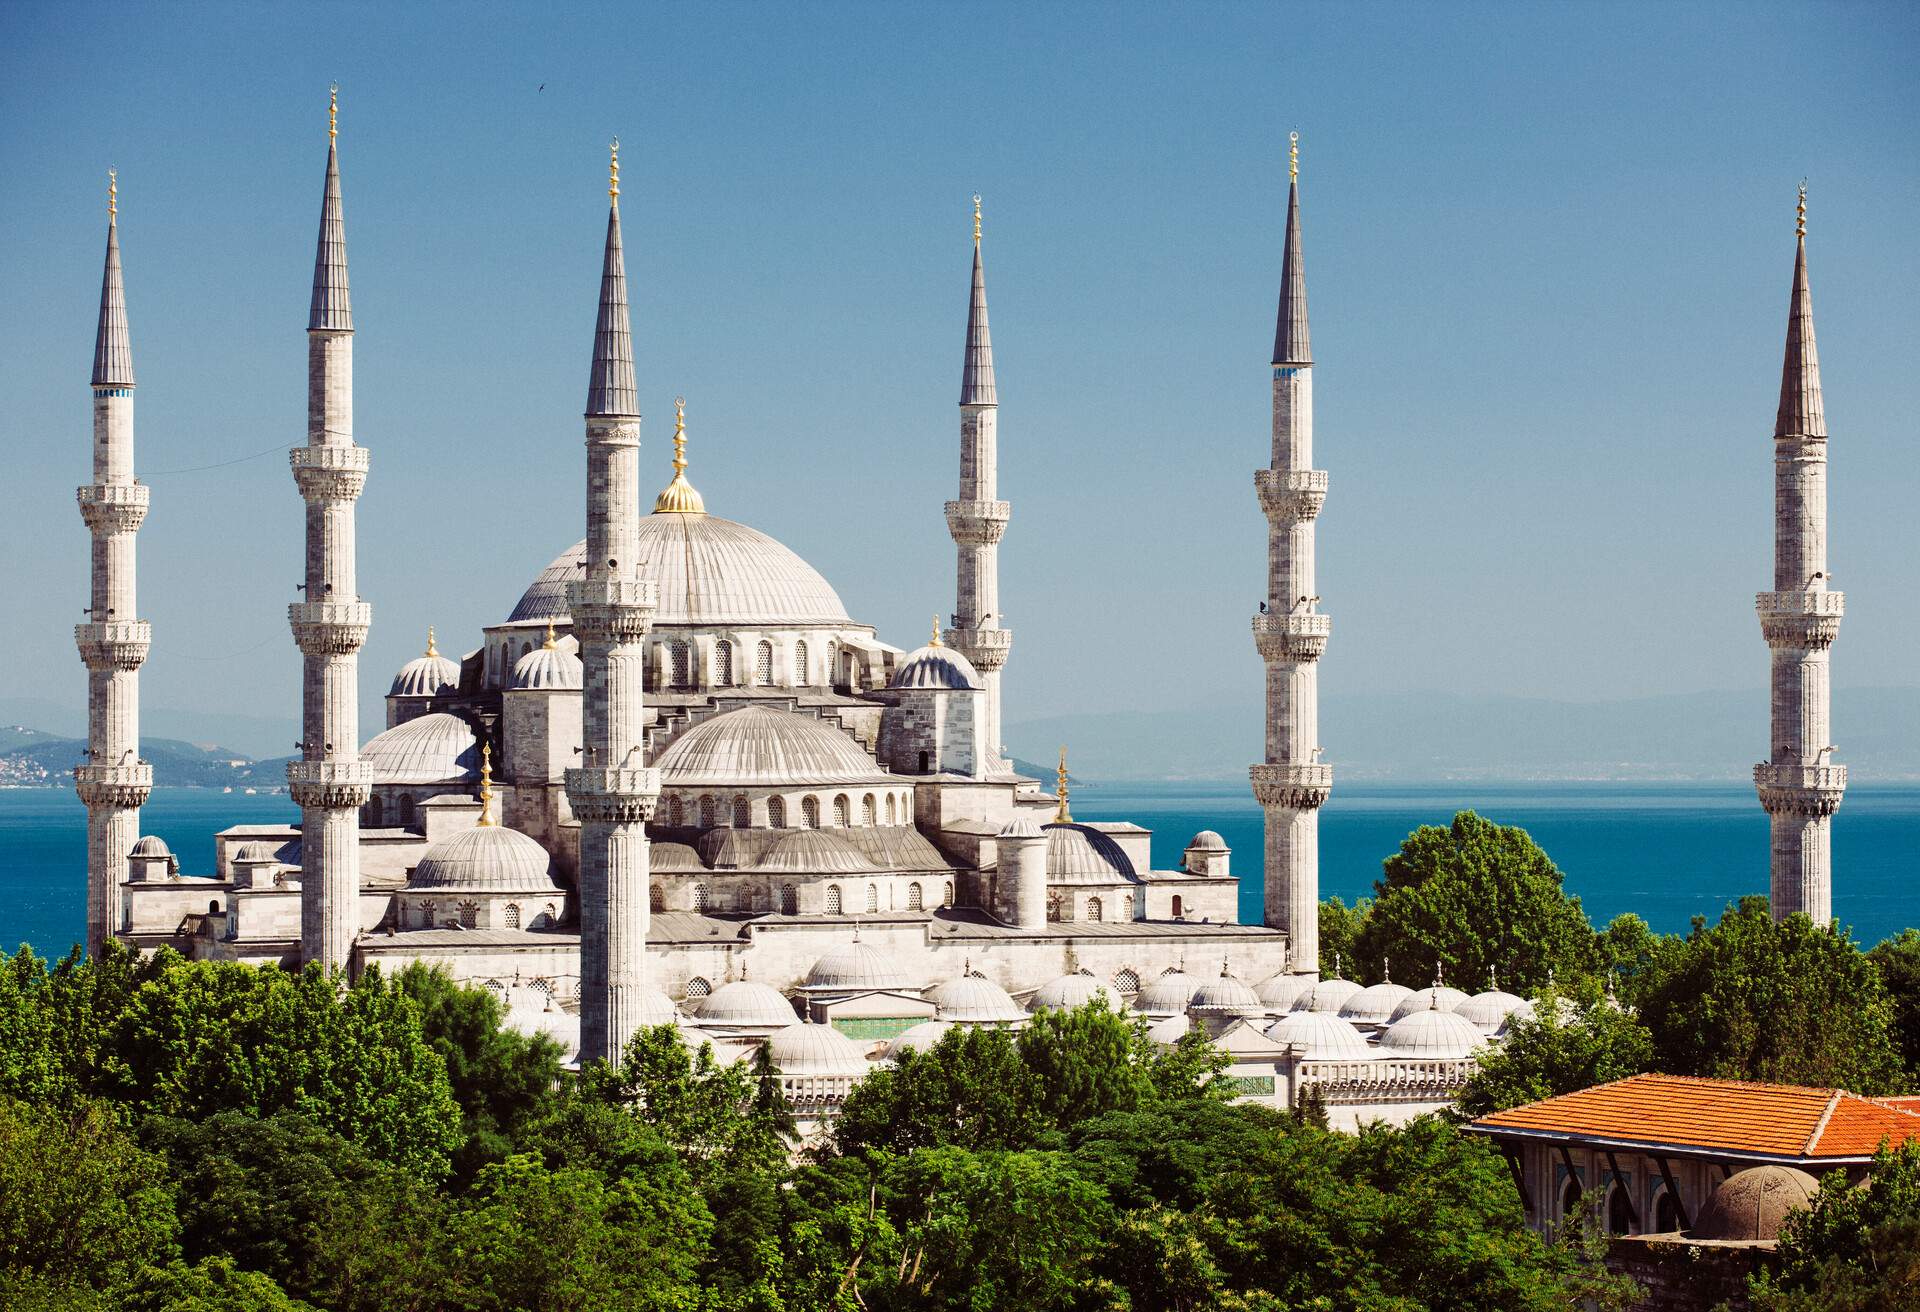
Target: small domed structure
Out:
[1021,826]
[1069,992]
[975,1001]
[429,675]
[1492,1011]
[1226,996]
[437,748]
[1079,854]
[549,668]
[762,746]
[936,668]
[1375,1004]
[917,1038]
[854,967]
[486,859]
[1749,1205]
[1208,841]
[249,853]
[1168,995]
[1327,996]
[808,1049]
[1169,1030]
[1320,1035]
[1284,991]
[1431,1033]
[154,845]
[656,1008]
[1436,997]
[746,1005]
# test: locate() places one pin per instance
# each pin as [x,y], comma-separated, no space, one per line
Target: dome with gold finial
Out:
[550,667]
[936,667]
[679,497]
[428,675]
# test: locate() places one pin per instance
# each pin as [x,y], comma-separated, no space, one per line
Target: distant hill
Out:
[33,758]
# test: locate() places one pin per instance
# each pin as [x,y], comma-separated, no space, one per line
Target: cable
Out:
[218,464]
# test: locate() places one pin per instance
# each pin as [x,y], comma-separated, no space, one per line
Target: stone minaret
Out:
[329,782]
[611,791]
[1799,785]
[1290,632]
[113,782]
[977,519]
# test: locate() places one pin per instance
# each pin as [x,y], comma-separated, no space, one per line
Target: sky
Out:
[1548,252]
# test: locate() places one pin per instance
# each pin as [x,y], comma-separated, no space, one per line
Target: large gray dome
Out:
[1079,854]
[429,749]
[486,859]
[710,571]
[759,746]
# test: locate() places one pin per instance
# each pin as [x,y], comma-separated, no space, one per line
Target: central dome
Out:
[762,746]
[710,571]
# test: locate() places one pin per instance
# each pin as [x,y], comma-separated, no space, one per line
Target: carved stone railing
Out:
[329,628]
[1300,787]
[114,785]
[114,644]
[330,785]
[1800,619]
[1290,494]
[329,473]
[113,507]
[1800,789]
[1297,637]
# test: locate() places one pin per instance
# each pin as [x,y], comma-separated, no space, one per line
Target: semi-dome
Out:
[807,1049]
[550,668]
[1490,1012]
[1431,1033]
[1319,1035]
[1225,995]
[1208,841]
[437,748]
[1069,992]
[1080,854]
[1167,995]
[151,845]
[1283,992]
[1374,1004]
[975,1001]
[936,668]
[486,859]
[1440,997]
[855,967]
[1750,1205]
[760,746]
[709,572]
[917,1038]
[818,851]
[1327,996]
[426,676]
[746,1004]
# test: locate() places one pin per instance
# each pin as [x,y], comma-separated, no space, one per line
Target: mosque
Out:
[678,782]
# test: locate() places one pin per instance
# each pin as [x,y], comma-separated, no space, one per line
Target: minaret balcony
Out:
[612,610]
[616,797]
[126,784]
[1800,789]
[1287,495]
[978,523]
[1808,620]
[114,645]
[113,507]
[330,785]
[329,628]
[1292,638]
[329,473]
[1299,786]
[986,648]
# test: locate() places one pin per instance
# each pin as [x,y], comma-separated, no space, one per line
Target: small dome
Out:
[1751,1204]
[1491,1011]
[1439,997]
[1283,992]
[426,676]
[746,1004]
[816,851]
[1327,996]
[1320,1036]
[855,967]
[1374,1004]
[486,859]
[1431,1033]
[1207,841]
[917,1038]
[1021,826]
[1226,996]
[1166,996]
[430,749]
[1169,1030]
[151,845]
[248,854]
[805,1049]
[974,1001]
[674,858]
[760,746]
[548,669]
[936,668]
[1078,854]
[1069,992]
[656,1008]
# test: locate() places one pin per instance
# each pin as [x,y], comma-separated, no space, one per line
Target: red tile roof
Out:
[1728,1116]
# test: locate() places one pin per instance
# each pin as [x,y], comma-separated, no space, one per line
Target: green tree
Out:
[1088,1061]
[1898,961]
[970,1090]
[386,1247]
[1549,1053]
[1475,898]
[710,1113]
[1856,1249]
[1754,999]
[56,1024]
[1340,928]
[213,1285]
[1628,949]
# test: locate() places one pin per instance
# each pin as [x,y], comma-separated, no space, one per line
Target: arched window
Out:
[800,661]
[833,899]
[406,809]
[1056,905]
[742,813]
[1126,982]
[698,988]
[789,900]
[873,898]
[1666,1212]
[511,915]
[833,665]
[809,812]
[1619,1211]
[841,811]
[1569,1197]
[373,813]
[890,810]
[868,816]
[676,814]
[926,759]
[550,917]
[1176,906]
[706,812]
[542,985]
[678,654]
[1126,906]
[914,900]
[656,898]
[469,915]
[699,897]
[763,664]
[426,915]
[946,894]
[776,813]
[1093,908]
[723,663]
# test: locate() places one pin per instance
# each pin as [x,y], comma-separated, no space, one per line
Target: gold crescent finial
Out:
[548,644]
[1061,816]
[613,171]
[486,784]
[1800,224]
[976,218]
[1293,156]
[679,496]
[431,649]
[333,111]
[113,192]
[934,641]
[679,434]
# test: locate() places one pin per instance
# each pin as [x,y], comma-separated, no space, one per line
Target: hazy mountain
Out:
[31,758]
[256,736]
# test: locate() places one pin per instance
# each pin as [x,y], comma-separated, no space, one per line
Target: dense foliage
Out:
[1857,1249]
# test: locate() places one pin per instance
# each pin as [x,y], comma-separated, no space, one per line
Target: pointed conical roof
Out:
[1290,344]
[1801,413]
[112,348]
[610,389]
[976,374]
[332,309]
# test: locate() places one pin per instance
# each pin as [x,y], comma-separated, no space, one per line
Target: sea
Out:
[1667,852]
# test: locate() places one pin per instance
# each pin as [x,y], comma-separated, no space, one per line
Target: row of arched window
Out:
[755,898]
[672,664]
[709,811]
[376,812]
[1060,907]
[1618,1209]
[467,915]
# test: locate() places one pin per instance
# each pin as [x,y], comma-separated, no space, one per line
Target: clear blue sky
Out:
[1548,250]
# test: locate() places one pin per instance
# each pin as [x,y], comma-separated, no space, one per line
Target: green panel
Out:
[1249,1086]
[865,1029]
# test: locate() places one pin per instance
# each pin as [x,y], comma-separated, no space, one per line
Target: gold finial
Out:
[548,644]
[1293,156]
[934,641]
[1061,816]
[113,192]
[976,219]
[613,172]
[486,784]
[333,112]
[679,496]
[1800,225]
[431,649]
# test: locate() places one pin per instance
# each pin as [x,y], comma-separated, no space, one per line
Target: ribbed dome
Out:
[1021,826]
[1489,1012]
[247,855]
[1751,1204]
[1439,996]
[936,668]
[1374,1004]
[1226,996]
[917,1038]
[1208,841]
[486,859]
[974,1000]
[1077,854]
[758,746]
[676,857]
[1319,1036]
[746,1003]
[1431,1033]
[548,669]
[856,967]
[816,851]
[1327,996]
[151,845]
[710,571]
[1166,995]
[1169,1029]
[426,676]
[805,1049]
[1283,992]
[430,749]
[1069,992]
[656,1008]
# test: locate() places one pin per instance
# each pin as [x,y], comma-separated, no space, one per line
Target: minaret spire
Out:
[330,783]
[1799,784]
[113,781]
[978,518]
[1290,633]
[612,791]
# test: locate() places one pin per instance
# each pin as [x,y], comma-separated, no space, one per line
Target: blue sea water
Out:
[1666,851]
